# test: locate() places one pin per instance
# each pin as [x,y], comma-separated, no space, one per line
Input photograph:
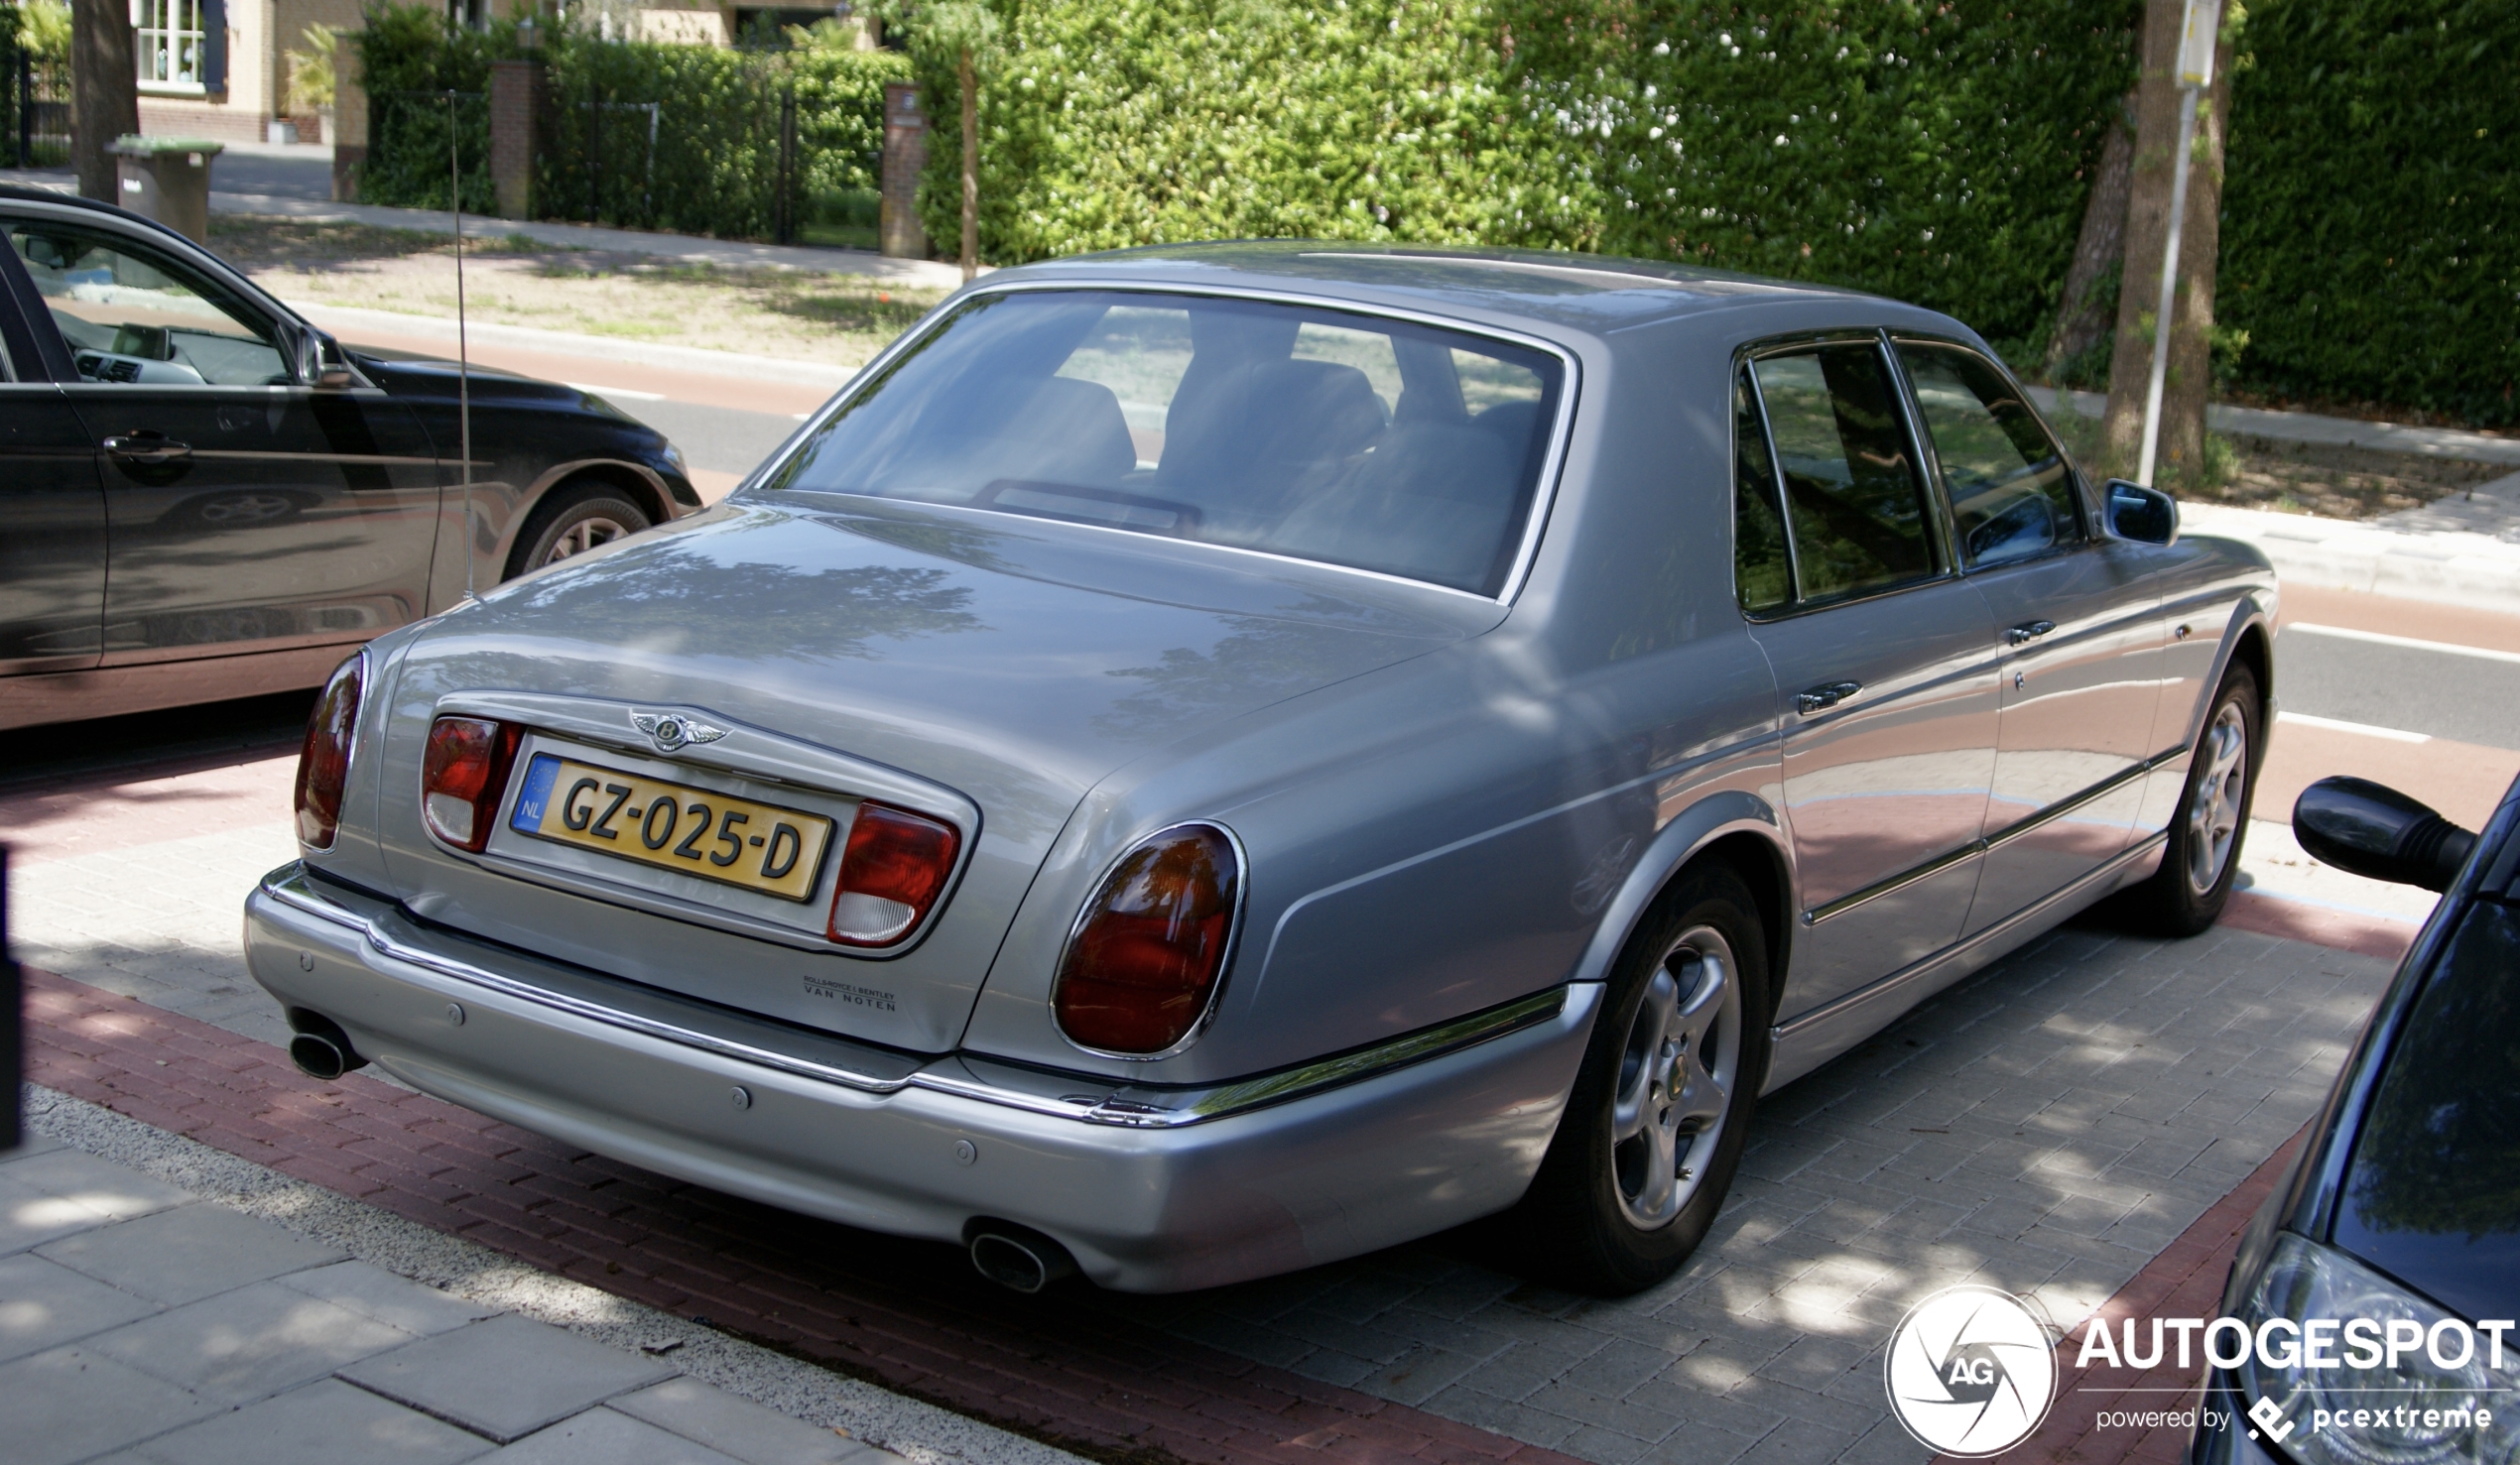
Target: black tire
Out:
[1592,1218]
[2202,854]
[570,521]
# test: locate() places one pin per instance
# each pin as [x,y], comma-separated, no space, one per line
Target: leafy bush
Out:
[409,58]
[1928,150]
[2371,234]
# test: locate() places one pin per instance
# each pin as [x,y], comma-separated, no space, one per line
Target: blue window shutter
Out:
[215,44]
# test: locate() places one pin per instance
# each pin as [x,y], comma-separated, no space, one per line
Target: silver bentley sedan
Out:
[1205,761]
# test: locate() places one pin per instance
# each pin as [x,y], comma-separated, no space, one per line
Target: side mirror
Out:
[2373,830]
[2145,515]
[312,369]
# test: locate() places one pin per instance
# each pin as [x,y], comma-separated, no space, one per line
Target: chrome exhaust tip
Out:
[320,1049]
[1018,1257]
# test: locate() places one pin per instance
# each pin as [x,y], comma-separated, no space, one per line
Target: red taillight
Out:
[462,776]
[891,873]
[324,763]
[1144,962]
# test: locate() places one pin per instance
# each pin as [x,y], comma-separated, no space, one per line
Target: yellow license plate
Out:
[672,826]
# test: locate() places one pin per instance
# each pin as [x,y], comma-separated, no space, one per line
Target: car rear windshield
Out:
[1347,438]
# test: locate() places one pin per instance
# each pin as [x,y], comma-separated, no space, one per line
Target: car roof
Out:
[23,193]
[1587,292]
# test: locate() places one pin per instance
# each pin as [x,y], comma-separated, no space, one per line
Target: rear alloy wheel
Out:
[1660,1110]
[2201,856]
[572,522]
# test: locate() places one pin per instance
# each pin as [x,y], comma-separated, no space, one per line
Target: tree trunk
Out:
[2081,320]
[970,171]
[2180,458]
[104,91]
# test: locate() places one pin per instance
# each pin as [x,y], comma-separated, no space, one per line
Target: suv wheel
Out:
[572,522]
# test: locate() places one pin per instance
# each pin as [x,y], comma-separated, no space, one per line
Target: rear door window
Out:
[2011,495]
[1856,507]
[1392,446]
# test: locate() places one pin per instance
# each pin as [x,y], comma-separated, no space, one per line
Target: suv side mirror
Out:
[2145,515]
[2373,830]
[313,369]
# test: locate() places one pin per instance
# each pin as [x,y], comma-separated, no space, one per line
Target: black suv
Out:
[203,496]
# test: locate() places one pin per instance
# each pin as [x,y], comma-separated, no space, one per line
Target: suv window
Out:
[131,315]
[1855,503]
[2011,495]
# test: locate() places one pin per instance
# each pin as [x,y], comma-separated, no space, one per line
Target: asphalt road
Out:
[2472,697]
[718,438]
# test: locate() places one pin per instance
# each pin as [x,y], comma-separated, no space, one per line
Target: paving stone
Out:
[115,1191]
[738,1428]
[327,1422]
[602,1438]
[248,1344]
[373,1292]
[44,1304]
[505,1378]
[30,1218]
[189,1253]
[69,1403]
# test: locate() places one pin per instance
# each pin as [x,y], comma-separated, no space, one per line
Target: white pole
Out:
[2199,25]
[2169,287]
[464,353]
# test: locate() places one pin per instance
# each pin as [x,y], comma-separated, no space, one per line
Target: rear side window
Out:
[1761,570]
[1407,449]
[1855,507]
[2012,496]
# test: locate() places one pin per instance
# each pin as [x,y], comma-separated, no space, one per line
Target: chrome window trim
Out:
[1224,966]
[1117,1104]
[1536,514]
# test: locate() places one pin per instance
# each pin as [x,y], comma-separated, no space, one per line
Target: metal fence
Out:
[36,129]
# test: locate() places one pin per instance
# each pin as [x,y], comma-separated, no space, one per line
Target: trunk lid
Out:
[982,669]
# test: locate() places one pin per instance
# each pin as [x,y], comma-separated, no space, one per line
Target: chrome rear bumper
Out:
[1152,1190]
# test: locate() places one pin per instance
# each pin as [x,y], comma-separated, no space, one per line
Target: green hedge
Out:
[409,58]
[713,168]
[2371,233]
[1928,150]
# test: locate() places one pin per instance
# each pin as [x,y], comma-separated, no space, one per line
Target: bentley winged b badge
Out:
[672,730]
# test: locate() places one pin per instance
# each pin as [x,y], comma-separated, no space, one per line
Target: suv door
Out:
[2080,616]
[247,512]
[52,524]
[1883,656]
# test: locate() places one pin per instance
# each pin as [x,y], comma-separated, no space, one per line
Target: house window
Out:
[171,45]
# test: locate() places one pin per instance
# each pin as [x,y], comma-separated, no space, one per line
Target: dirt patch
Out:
[835,319]
[2339,482]
[2329,480]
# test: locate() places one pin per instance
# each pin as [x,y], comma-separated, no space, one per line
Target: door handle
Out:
[147,448]
[2028,631]
[1825,697]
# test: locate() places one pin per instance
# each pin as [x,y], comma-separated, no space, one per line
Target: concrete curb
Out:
[2412,560]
